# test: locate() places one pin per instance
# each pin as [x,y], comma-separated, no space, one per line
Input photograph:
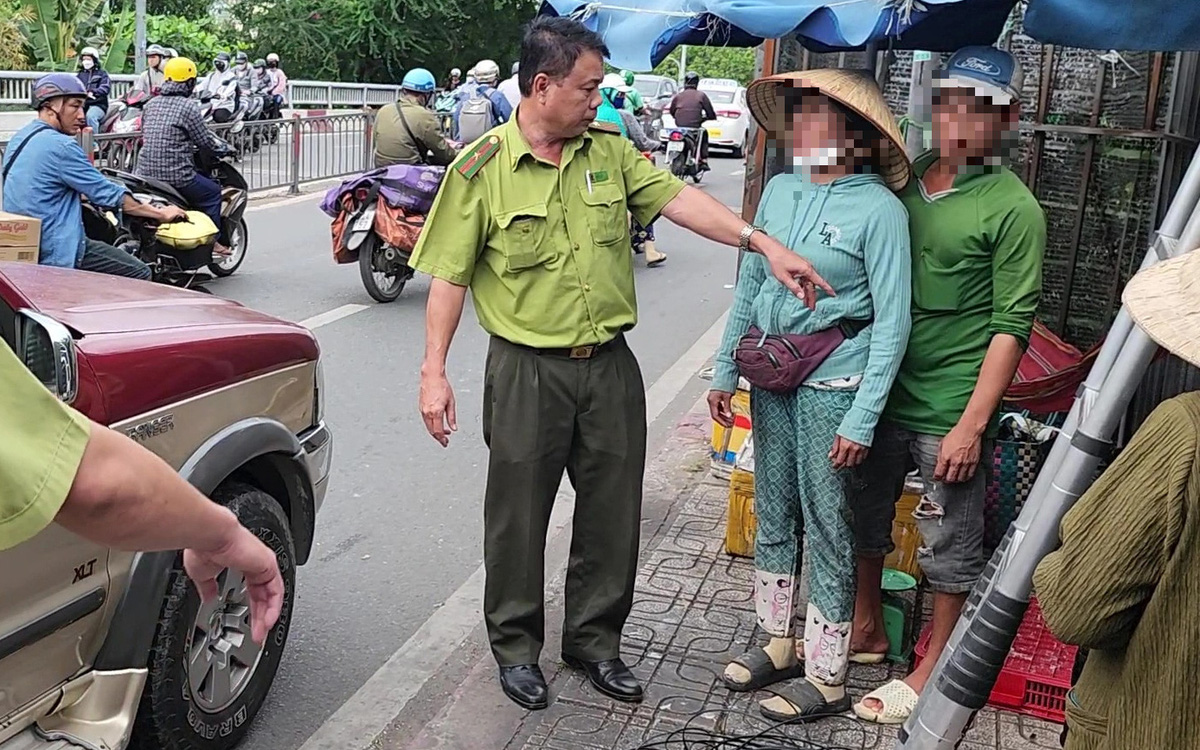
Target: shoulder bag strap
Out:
[421,149]
[21,147]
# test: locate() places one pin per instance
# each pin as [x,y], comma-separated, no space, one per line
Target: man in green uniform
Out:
[533,220]
[978,236]
[57,466]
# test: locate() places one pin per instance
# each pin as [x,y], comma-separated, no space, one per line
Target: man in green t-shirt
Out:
[633,97]
[978,236]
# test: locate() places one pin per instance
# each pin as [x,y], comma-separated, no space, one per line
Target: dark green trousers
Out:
[543,414]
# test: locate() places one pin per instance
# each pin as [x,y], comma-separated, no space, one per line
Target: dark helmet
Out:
[260,63]
[55,86]
[691,78]
[241,57]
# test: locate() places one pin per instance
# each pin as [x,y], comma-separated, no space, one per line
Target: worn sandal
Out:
[762,671]
[867,657]
[806,702]
[898,701]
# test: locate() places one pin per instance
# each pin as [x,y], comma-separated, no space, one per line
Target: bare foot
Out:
[867,638]
[221,250]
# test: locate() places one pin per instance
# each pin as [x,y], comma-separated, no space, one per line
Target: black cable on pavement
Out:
[774,737]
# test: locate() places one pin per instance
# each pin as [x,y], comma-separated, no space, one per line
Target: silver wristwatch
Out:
[744,238]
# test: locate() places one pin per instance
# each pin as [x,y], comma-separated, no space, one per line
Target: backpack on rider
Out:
[476,117]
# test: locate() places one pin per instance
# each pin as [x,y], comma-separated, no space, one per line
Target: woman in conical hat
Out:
[835,204]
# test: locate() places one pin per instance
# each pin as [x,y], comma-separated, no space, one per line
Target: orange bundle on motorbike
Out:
[377,219]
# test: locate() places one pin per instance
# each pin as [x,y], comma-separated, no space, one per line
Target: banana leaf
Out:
[53,29]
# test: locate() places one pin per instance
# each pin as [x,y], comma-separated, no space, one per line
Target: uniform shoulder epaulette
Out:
[472,160]
[605,126]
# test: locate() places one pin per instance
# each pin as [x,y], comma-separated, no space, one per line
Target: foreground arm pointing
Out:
[56,465]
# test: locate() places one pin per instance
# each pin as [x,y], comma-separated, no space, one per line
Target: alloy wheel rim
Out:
[237,248]
[221,656]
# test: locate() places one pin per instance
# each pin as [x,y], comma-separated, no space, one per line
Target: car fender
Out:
[131,632]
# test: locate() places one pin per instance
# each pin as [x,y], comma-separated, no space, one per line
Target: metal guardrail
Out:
[271,153]
[16,87]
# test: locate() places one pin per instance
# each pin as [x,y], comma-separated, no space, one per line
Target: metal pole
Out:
[968,668]
[139,42]
[682,61]
[918,102]
[296,150]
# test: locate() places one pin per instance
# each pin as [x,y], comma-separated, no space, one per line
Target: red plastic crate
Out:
[1037,673]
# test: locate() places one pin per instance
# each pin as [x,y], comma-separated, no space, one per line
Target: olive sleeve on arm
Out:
[41,444]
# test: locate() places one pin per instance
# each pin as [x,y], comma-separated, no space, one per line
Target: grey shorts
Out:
[949,516]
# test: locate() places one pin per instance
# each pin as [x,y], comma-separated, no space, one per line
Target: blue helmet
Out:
[419,80]
[55,86]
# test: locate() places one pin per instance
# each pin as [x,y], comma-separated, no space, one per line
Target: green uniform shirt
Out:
[41,445]
[977,271]
[544,248]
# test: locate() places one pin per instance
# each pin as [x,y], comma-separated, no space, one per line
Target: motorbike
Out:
[683,153]
[172,265]
[382,245]
[443,107]
[124,116]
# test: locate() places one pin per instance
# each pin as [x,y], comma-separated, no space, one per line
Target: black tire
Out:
[739,152]
[679,166]
[169,718]
[238,256]
[697,175]
[366,269]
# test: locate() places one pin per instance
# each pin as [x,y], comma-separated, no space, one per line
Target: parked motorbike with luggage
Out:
[377,219]
[178,254]
[683,153]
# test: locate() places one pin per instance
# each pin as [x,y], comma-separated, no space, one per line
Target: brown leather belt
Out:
[586,351]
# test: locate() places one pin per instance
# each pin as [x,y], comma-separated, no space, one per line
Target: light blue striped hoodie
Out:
[854,231]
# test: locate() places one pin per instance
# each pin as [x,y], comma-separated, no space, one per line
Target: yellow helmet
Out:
[179,69]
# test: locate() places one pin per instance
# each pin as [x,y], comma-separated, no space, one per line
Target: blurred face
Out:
[68,115]
[818,136]
[967,127]
[566,107]
[454,79]
[154,61]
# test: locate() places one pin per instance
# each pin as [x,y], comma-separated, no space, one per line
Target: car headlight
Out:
[319,394]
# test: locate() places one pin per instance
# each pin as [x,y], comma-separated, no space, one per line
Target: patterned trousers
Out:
[797,492]
[638,234]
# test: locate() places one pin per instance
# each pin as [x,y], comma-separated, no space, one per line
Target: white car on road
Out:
[731,129]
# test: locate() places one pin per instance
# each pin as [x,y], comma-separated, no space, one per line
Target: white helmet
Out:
[487,71]
[456,72]
[171,52]
[272,58]
[90,52]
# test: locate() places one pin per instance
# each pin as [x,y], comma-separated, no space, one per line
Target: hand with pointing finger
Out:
[791,268]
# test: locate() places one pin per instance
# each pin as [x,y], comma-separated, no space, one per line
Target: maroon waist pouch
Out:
[780,363]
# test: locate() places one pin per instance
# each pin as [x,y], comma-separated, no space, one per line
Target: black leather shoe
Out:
[610,677]
[525,686]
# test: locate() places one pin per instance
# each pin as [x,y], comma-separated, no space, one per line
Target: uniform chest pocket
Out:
[523,237]
[606,213]
[935,286]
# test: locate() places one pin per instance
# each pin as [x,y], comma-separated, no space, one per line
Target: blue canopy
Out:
[640,33]
[1116,24]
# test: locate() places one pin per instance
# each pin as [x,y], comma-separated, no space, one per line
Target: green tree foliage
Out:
[378,40]
[13,19]
[713,62]
[199,9]
[54,28]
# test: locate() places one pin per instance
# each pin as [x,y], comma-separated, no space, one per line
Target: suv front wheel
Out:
[207,678]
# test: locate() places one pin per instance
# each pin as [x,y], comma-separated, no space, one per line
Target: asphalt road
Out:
[401,528]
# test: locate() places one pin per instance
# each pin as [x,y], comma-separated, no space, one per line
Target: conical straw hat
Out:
[1165,301]
[854,89]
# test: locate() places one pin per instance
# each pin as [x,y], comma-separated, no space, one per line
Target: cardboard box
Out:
[19,231]
[27,254]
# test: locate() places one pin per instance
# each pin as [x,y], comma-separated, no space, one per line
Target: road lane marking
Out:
[284,202]
[330,316]
[367,713]
[738,172]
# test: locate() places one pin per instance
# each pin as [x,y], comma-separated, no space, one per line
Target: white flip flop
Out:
[898,701]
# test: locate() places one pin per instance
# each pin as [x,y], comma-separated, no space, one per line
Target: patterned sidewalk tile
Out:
[693,613]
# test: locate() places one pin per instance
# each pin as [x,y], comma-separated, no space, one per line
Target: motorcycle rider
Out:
[691,108]
[633,97]
[483,108]
[220,74]
[455,80]
[243,71]
[279,79]
[408,132]
[97,83]
[151,78]
[172,129]
[510,88]
[45,172]
[613,109]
